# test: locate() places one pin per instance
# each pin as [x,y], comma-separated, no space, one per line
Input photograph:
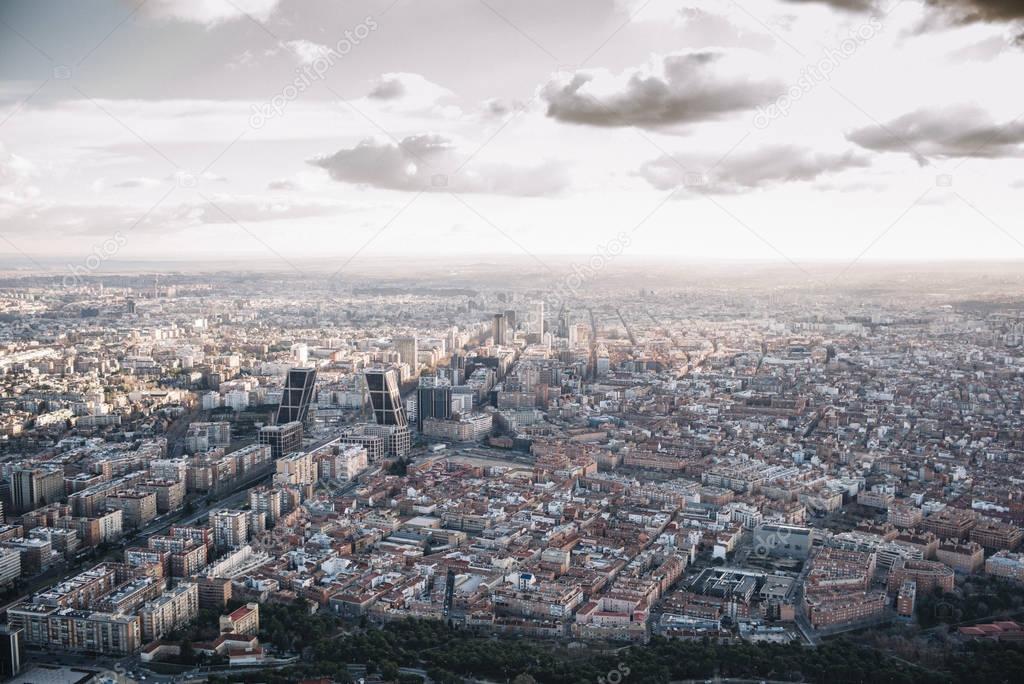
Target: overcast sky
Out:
[787,130]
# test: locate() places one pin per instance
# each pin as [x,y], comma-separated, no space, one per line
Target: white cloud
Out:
[306,51]
[282,184]
[405,92]
[431,162]
[137,182]
[17,176]
[211,12]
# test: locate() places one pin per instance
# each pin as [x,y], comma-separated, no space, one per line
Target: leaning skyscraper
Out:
[297,396]
[385,397]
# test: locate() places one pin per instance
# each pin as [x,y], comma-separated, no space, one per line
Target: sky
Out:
[777,130]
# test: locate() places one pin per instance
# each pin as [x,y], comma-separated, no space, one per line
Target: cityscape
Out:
[494,342]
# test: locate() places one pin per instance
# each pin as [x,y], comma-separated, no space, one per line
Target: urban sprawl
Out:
[780,464]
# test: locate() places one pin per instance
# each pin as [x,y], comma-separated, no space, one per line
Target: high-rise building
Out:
[457,368]
[566,328]
[283,438]
[433,400]
[266,500]
[230,529]
[297,395]
[10,651]
[537,324]
[500,329]
[906,599]
[10,566]
[510,318]
[408,349]
[35,487]
[385,397]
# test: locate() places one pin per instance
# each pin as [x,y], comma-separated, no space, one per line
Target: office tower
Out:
[35,487]
[510,318]
[458,368]
[385,397]
[433,400]
[408,351]
[565,325]
[500,329]
[10,651]
[283,439]
[298,393]
[538,318]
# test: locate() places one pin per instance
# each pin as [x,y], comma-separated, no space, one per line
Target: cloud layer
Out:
[741,172]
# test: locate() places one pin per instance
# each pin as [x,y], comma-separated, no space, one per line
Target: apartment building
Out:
[173,609]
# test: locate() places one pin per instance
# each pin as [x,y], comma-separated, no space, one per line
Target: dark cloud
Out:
[428,162]
[963,11]
[387,88]
[942,133]
[498,107]
[969,11]
[845,5]
[741,172]
[690,87]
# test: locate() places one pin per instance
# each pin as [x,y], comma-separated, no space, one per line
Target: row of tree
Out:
[448,655]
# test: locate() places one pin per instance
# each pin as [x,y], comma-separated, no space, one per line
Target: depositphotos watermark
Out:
[569,285]
[815,74]
[580,273]
[779,537]
[311,72]
[90,264]
[615,676]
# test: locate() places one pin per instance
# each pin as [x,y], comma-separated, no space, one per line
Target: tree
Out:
[188,654]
